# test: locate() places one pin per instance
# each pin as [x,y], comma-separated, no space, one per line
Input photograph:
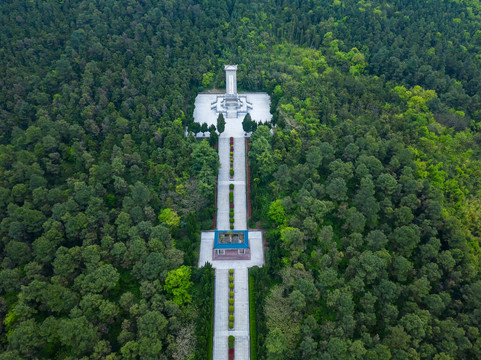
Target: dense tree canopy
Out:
[102,195]
[364,185]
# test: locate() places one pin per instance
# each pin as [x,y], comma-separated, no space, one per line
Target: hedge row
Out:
[231,299]
[252,318]
[232,157]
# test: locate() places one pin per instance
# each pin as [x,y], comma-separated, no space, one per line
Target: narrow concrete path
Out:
[241,277]
[240,208]
[223,182]
[221,313]
[239,181]
[241,313]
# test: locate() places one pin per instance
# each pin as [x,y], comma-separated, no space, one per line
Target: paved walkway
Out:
[240,209]
[221,313]
[241,276]
[223,185]
[241,314]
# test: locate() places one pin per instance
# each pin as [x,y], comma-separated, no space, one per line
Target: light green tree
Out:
[169,217]
[276,212]
[178,284]
[275,345]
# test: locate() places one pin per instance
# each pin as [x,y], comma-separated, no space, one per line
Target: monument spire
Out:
[231,104]
[230,81]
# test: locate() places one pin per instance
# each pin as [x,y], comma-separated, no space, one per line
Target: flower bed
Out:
[231,158]
[231,343]
[231,299]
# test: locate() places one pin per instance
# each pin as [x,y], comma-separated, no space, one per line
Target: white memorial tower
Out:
[231,104]
[231,83]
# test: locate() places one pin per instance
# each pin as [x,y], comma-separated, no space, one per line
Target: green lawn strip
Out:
[252,318]
[210,339]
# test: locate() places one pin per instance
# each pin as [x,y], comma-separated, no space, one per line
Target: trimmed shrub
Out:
[231,294]
[231,317]
[231,342]
[231,301]
[231,220]
[231,172]
[231,279]
[231,285]
[231,226]
[231,153]
[231,271]
[231,309]
[231,325]
[231,197]
[231,186]
[231,213]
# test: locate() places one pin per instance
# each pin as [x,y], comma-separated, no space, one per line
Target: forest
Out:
[367,181]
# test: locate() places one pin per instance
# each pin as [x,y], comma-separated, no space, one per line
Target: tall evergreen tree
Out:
[220,123]
[247,123]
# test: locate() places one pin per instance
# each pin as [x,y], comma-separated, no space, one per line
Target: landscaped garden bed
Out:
[231,299]
[231,206]
[231,172]
[231,343]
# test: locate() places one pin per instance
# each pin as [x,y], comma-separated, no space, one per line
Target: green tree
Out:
[102,279]
[376,240]
[405,239]
[275,345]
[355,221]
[220,123]
[337,189]
[277,212]
[152,325]
[170,218]
[25,338]
[178,285]
[261,154]
[365,201]
[77,335]
[204,154]
[247,123]
[195,127]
